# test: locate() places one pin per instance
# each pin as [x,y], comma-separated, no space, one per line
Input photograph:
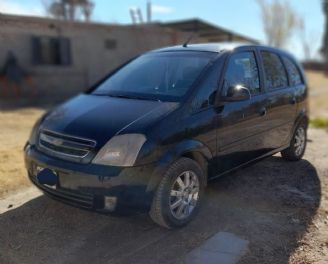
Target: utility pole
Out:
[139,14]
[149,12]
[133,17]
[136,16]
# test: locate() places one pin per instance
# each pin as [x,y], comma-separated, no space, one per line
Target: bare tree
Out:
[87,8]
[69,9]
[280,21]
[58,11]
[307,40]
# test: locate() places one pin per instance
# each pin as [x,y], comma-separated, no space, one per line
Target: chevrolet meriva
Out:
[153,132]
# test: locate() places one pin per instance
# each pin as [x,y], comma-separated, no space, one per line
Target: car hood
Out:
[101,117]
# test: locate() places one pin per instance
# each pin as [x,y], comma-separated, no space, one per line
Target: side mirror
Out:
[237,93]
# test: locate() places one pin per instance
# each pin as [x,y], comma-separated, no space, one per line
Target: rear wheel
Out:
[297,145]
[177,198]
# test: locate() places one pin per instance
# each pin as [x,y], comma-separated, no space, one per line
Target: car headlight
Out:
[121,150]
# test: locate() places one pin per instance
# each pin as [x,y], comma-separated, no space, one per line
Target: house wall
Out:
[91,60]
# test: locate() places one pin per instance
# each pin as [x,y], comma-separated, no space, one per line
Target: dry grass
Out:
[319,122]
[318,83]
[15,129]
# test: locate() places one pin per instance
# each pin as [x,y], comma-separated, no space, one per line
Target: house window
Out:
[110,44]
[51,51]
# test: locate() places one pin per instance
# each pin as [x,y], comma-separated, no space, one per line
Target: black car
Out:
[152,133]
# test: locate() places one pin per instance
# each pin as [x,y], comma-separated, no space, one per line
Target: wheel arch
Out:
[201,160]
[302,117]
[192,149]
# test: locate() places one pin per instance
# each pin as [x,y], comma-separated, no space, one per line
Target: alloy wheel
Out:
[299,142]
[184,195]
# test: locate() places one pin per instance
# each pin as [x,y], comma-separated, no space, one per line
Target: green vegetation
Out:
[319,122]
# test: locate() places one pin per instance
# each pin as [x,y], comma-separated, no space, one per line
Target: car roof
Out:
[219,47]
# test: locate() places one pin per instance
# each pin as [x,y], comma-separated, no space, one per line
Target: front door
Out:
[202,123]
[241,125]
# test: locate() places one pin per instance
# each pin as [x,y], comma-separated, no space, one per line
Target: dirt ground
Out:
[318,99]
[15,129]
[280,207]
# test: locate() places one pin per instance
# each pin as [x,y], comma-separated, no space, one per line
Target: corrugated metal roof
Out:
[208,31]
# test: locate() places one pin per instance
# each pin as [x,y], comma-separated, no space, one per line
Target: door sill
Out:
[249,162]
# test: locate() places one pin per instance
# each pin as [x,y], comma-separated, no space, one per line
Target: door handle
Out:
[263,111]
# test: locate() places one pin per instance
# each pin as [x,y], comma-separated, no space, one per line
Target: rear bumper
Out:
[89,186]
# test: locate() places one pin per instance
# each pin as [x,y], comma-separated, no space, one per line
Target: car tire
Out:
[178,196]
[297,146]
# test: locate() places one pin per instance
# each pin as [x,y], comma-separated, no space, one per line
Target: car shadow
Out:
[270,204]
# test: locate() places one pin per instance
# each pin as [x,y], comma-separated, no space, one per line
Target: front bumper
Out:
[91,186]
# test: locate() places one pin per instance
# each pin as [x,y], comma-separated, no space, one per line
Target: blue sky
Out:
[242,16]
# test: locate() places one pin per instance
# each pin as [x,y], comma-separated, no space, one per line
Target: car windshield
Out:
[164,76]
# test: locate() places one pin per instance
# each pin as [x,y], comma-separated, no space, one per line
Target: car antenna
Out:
[185,45]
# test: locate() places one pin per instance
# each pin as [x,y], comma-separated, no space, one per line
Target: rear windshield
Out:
[165,76]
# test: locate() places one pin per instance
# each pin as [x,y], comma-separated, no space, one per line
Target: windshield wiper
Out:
[133,97]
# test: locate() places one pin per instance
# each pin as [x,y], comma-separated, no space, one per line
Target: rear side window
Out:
[293,72]
[242,70]
[275,73]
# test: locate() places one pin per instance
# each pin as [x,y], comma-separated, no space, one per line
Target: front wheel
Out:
[297,145]
[178,195]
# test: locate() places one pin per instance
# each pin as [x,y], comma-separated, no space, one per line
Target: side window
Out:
[206,94]
[242,70]
[275,73]
[293,72]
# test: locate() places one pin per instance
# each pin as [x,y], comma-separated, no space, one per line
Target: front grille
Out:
[65,146]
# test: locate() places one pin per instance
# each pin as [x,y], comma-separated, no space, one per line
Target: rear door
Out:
[241,125]
[282,105]
[296,81]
